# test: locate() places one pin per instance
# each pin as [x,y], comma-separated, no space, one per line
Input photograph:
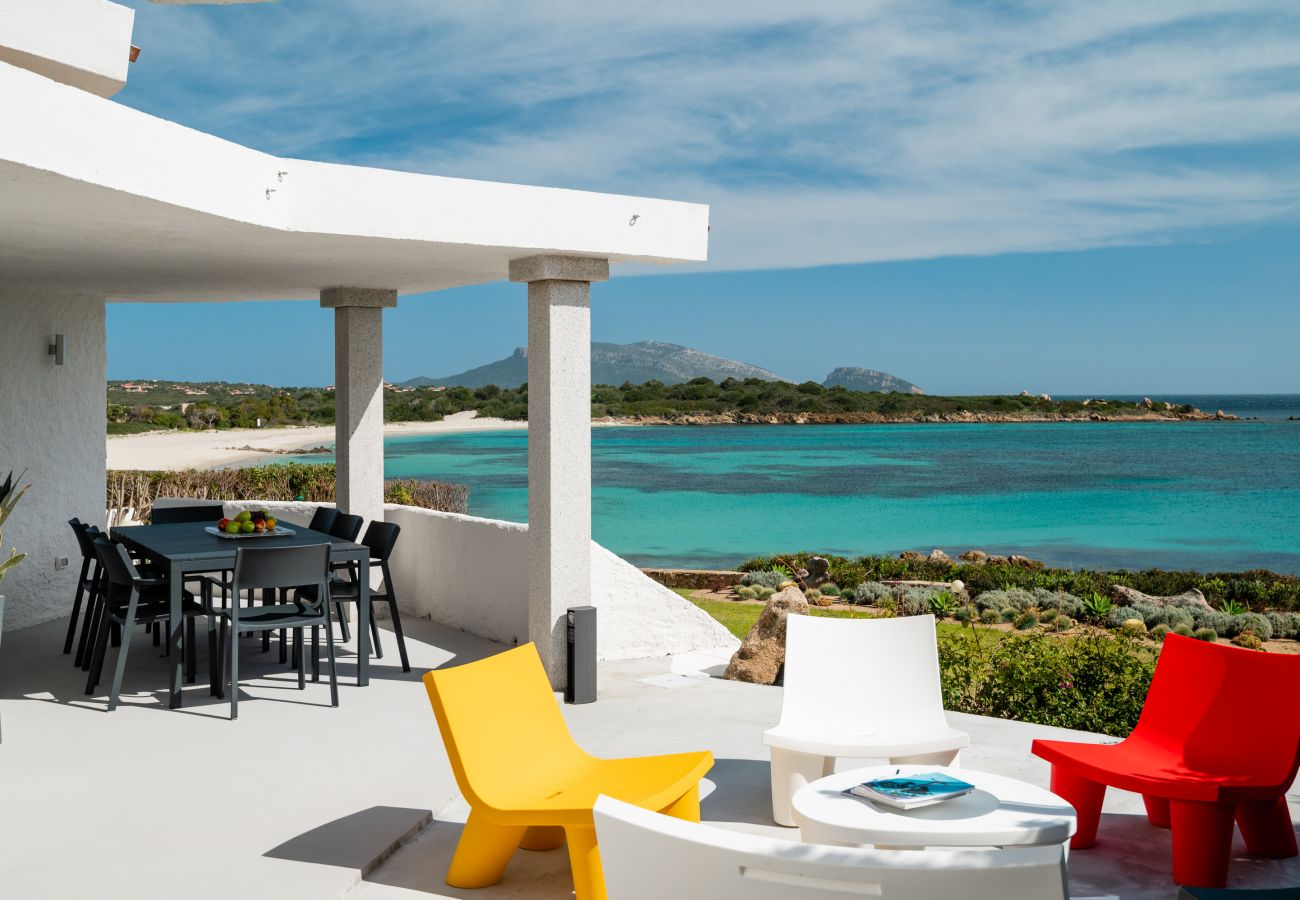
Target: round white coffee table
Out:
[1000,812]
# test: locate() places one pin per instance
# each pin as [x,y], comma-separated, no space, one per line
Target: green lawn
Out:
[738,618]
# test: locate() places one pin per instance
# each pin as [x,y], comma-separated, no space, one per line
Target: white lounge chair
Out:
[649,856]
[857,688]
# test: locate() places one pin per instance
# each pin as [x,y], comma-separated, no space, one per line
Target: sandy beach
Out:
[213,449]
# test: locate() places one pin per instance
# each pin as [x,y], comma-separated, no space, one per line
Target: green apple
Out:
[244,516]
[232,527]
[246,527]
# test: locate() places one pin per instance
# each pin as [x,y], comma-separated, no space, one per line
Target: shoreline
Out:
[174,450]
[873,418]
[214,449]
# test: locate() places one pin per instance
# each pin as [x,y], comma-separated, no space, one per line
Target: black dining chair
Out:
[345,527]
[196,512]
[210,513]
[273,569]
[323,519]
[94,608]
[130,600]
[381,538]
[87,585]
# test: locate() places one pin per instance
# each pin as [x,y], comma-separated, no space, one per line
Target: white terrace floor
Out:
[298,800]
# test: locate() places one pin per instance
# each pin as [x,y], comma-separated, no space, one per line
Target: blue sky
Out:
[1098,197]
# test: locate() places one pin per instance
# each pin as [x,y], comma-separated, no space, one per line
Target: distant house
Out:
[132,387]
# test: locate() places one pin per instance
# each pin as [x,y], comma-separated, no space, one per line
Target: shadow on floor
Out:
[33,667]
[359,841]
[1132,855]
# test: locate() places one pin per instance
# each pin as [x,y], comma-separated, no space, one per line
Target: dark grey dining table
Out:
[185,548]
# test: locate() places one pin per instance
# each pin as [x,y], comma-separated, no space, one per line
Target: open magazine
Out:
[912,791]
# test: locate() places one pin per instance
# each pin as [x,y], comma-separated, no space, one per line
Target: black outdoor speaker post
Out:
[581,643]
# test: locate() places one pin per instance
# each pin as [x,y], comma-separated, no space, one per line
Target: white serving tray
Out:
[278,531]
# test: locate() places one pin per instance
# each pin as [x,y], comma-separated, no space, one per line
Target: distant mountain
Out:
[613,364]
[868,380]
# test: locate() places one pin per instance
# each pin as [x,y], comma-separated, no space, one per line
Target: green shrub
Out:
[1134,628]
[1252,622]
[1094,681]
[1048,616]
[771,579]
[1008,614]
[1184,630]
[745,592]
[1096,607]
[763,591]
[1026,620]
[871,592]
[830,589]
[1173,616]
[942,604]
[1206,634]
[1285,625]
[1062,623]
[1249,640]
[1233,607]
[990,616]
[1159,632]
[1221,622]
[963,614]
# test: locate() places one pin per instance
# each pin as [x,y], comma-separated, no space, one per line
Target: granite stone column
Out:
[559,445]
[359,396]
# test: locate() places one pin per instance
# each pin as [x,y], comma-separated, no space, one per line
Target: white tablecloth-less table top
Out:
[1000,812]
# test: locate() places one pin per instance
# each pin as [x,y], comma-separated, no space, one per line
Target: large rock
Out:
[911,556]
[938,556]
[762,653]
[817,573]
[974,557]
[1127,596]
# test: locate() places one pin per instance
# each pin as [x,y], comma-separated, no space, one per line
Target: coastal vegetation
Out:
[311,482]
[1088,679]
[145,406]
[1016,639]
[1257,590]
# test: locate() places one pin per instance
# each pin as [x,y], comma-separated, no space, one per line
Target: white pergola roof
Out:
[99,198]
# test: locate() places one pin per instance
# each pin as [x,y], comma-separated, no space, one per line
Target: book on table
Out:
[912,791]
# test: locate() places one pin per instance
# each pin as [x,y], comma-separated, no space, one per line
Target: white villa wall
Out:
[472,574]
[83,43]
[52,424]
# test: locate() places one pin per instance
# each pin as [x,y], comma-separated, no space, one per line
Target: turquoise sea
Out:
[1210,496]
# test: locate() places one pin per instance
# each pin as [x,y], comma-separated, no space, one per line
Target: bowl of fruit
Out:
[248,524]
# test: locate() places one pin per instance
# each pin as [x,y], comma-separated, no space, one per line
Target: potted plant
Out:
[10,494]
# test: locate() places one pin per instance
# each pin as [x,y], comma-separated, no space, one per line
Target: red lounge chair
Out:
[1218,739]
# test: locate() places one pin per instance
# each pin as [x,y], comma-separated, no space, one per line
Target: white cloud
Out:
[819,132]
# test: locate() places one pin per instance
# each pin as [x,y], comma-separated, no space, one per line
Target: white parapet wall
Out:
[472,574]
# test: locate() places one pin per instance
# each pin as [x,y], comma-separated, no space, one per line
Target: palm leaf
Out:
[12,561]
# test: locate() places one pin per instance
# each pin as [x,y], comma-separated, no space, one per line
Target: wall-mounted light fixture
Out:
[56,349]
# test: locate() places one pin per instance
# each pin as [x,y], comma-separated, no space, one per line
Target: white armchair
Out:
[857,688]
[649,856]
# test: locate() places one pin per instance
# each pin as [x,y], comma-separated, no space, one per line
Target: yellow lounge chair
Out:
[527,783]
